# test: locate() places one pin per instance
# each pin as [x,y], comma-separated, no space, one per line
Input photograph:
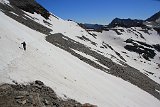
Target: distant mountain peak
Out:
[154,22]
[126,23]
[155,17]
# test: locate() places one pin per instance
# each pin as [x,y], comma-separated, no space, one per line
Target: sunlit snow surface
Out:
[73,31]
[66,74]
[5,2]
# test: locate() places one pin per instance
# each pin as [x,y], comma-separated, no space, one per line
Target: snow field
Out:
[64,73]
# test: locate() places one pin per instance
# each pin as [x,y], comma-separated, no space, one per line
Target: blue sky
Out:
[101,11]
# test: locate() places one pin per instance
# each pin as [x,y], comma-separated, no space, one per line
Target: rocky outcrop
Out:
[30,6]
[147,51]
[35,94]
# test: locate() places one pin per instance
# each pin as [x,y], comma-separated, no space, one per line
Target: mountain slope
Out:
[154,22]
[43,61]
[155,17]
[86,77]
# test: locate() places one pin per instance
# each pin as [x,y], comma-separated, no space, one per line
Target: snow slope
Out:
[64,73]
[133,59]
[74,31]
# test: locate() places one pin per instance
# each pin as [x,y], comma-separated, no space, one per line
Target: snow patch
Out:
[5,2]
[14,13]
[158,91]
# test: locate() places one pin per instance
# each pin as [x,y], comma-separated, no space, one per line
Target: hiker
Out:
[24,45]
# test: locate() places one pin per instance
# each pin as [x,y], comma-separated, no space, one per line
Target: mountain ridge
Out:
[152,22]
[126,23]
[154,17]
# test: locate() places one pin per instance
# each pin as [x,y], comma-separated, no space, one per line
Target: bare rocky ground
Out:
[35,94]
